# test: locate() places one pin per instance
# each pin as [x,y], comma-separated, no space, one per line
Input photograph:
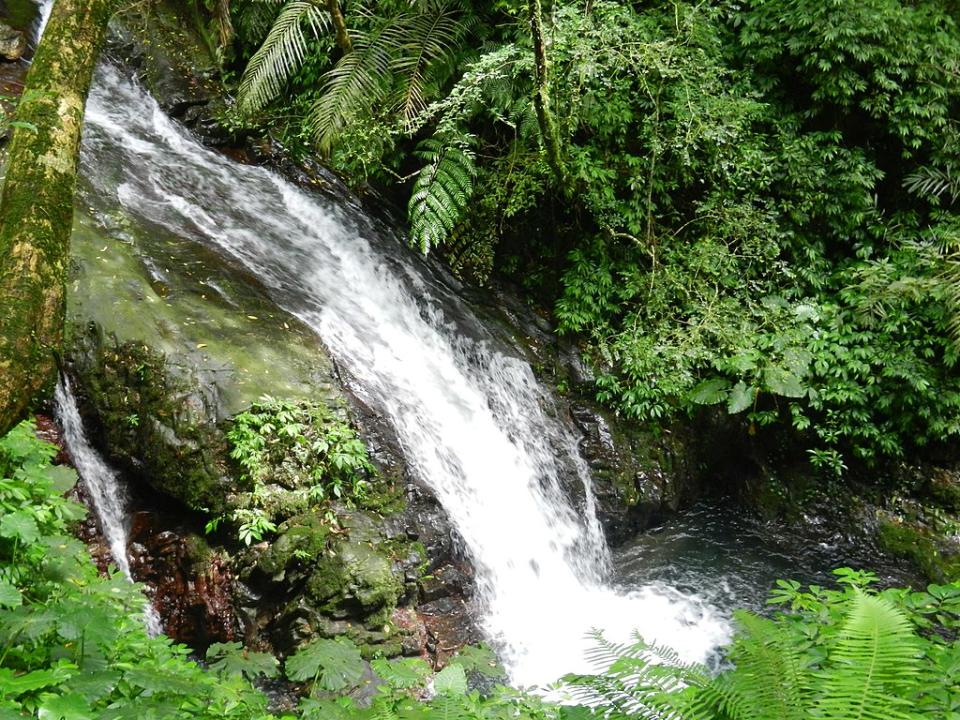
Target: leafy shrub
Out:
[75,644]
[293,453]
[839,653]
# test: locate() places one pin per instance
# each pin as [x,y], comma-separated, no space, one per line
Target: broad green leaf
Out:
[783,382]
[9,595]
[19,525]
[710,392]
[12,684]
[94,685]
[403,673]
[233,659]
[741,398]
[62,477]
[336,664]
[452,680]
[71,706]
[479,658]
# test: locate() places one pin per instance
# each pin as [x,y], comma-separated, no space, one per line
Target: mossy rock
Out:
[935,555]
[328,579]
[152,425]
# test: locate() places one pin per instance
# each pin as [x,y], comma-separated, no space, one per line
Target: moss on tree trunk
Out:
[36,209]
[340,26]
[541,95]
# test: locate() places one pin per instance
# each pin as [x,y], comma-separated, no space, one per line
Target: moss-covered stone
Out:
[329,578]
[923,545]
[151,423]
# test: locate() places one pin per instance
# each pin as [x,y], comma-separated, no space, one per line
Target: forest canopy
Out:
[753,204]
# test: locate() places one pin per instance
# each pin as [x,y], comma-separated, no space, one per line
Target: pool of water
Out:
[731,558]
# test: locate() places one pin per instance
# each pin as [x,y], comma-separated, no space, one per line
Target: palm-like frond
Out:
[281,54]
[871,666]
[254,19]
[933,182]
[431,38]
[357,82]
[640,680]
[441,191]
[949,275]
[769,682]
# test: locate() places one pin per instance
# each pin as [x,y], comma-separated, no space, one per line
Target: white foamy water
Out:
[103,486]
[43,15]
[473,422]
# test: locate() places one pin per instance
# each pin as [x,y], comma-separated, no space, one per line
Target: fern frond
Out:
[281,54]
[769,683]
[254,20]
[640,680]
[359,80]
[441,191]
[872,664]
[933,182]
[431,39]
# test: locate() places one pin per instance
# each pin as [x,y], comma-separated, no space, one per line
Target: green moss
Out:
[151,422]
[215,329]
[301,539]
[921,547]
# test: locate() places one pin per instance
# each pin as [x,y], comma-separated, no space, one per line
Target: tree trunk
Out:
[340,25]
[36,209]
[541,95]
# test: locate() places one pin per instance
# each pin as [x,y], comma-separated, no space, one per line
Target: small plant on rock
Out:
[292,455]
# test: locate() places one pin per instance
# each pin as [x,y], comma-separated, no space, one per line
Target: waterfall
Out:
[43,15]
[473,422]
[102,485]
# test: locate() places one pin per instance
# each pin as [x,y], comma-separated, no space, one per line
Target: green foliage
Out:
[761,210]
[74,643]
[232,658]
[281,54]
[292,455]
[330,665]
[835,654]
[442,190]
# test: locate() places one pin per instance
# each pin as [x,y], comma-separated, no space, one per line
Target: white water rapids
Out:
[102,484]
[474,424]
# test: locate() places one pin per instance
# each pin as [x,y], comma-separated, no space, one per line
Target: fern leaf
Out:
[431,39]
[872,664]
[281,54]
[441,192]
[769,682]
[933,182]
[357,82]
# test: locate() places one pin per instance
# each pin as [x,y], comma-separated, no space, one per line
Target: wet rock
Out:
[449,626]
[153,426]
[191,583]
[638,478]
[13,43]
[158,42]
[447,581]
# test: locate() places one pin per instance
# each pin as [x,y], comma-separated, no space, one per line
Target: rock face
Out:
[157,41]
[13,43]
[191,583]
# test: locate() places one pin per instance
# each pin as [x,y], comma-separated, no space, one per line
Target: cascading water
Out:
[43,15]
[102,485]
[473,422]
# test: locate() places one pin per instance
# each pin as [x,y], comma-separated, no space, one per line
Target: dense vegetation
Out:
[75,647]
[751,204]
[748,204]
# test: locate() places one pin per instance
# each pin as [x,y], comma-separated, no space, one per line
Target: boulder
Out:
[13,43]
